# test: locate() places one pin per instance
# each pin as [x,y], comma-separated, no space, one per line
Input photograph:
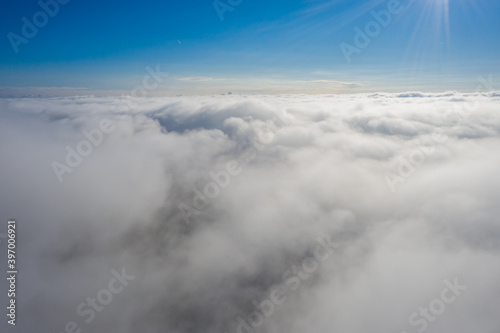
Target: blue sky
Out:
[258,47]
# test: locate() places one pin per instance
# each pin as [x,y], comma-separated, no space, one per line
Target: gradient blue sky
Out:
[259,47]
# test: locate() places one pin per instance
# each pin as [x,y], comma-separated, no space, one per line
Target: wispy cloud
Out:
[332,82]
[200,79]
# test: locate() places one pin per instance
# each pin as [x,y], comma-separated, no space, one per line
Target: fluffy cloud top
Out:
[214,204]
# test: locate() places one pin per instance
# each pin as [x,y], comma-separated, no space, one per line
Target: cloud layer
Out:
[214,203]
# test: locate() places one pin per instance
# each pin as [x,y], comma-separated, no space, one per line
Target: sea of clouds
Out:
[295,213]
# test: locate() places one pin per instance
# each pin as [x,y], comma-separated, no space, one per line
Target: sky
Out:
[243,46]
[297,166]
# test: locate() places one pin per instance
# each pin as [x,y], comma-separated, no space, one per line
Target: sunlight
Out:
[439,11]
[430,39]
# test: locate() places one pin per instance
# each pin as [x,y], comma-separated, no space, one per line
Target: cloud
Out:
[214,203]
[332,82]
[41,91]
[199,79]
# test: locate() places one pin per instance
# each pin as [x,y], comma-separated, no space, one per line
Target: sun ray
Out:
[430,40]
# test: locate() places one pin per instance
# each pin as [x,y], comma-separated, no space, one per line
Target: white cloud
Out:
[333,82]
[200,79]
[317,168]
[195,79]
